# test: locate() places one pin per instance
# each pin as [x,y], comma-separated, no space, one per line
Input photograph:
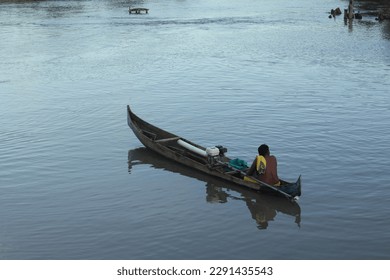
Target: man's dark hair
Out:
[263,150]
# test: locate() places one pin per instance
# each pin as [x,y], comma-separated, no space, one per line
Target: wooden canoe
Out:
[193,155]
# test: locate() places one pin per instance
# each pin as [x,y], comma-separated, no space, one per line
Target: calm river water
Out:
[75,183]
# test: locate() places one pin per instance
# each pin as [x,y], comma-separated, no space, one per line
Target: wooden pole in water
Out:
[350,9]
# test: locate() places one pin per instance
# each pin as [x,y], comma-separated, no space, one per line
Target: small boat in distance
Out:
[138,10]
[210,160]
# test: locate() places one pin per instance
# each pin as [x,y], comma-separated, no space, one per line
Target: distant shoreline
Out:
[372,7]
[367,4]
[380,9]
[365,7]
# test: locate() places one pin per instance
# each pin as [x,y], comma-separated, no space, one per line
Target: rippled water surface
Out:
[75,183]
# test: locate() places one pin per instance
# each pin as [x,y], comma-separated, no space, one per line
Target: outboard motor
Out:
[214,154]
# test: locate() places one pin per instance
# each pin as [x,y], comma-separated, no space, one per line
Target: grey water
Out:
[75,183]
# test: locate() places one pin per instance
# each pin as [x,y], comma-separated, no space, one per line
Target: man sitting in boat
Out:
[264,167]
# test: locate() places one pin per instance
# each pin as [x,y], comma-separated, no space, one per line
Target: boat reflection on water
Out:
[263,208]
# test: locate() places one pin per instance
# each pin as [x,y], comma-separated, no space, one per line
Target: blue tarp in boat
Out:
[238,163]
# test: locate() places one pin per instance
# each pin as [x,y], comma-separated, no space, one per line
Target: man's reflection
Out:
[261,207]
